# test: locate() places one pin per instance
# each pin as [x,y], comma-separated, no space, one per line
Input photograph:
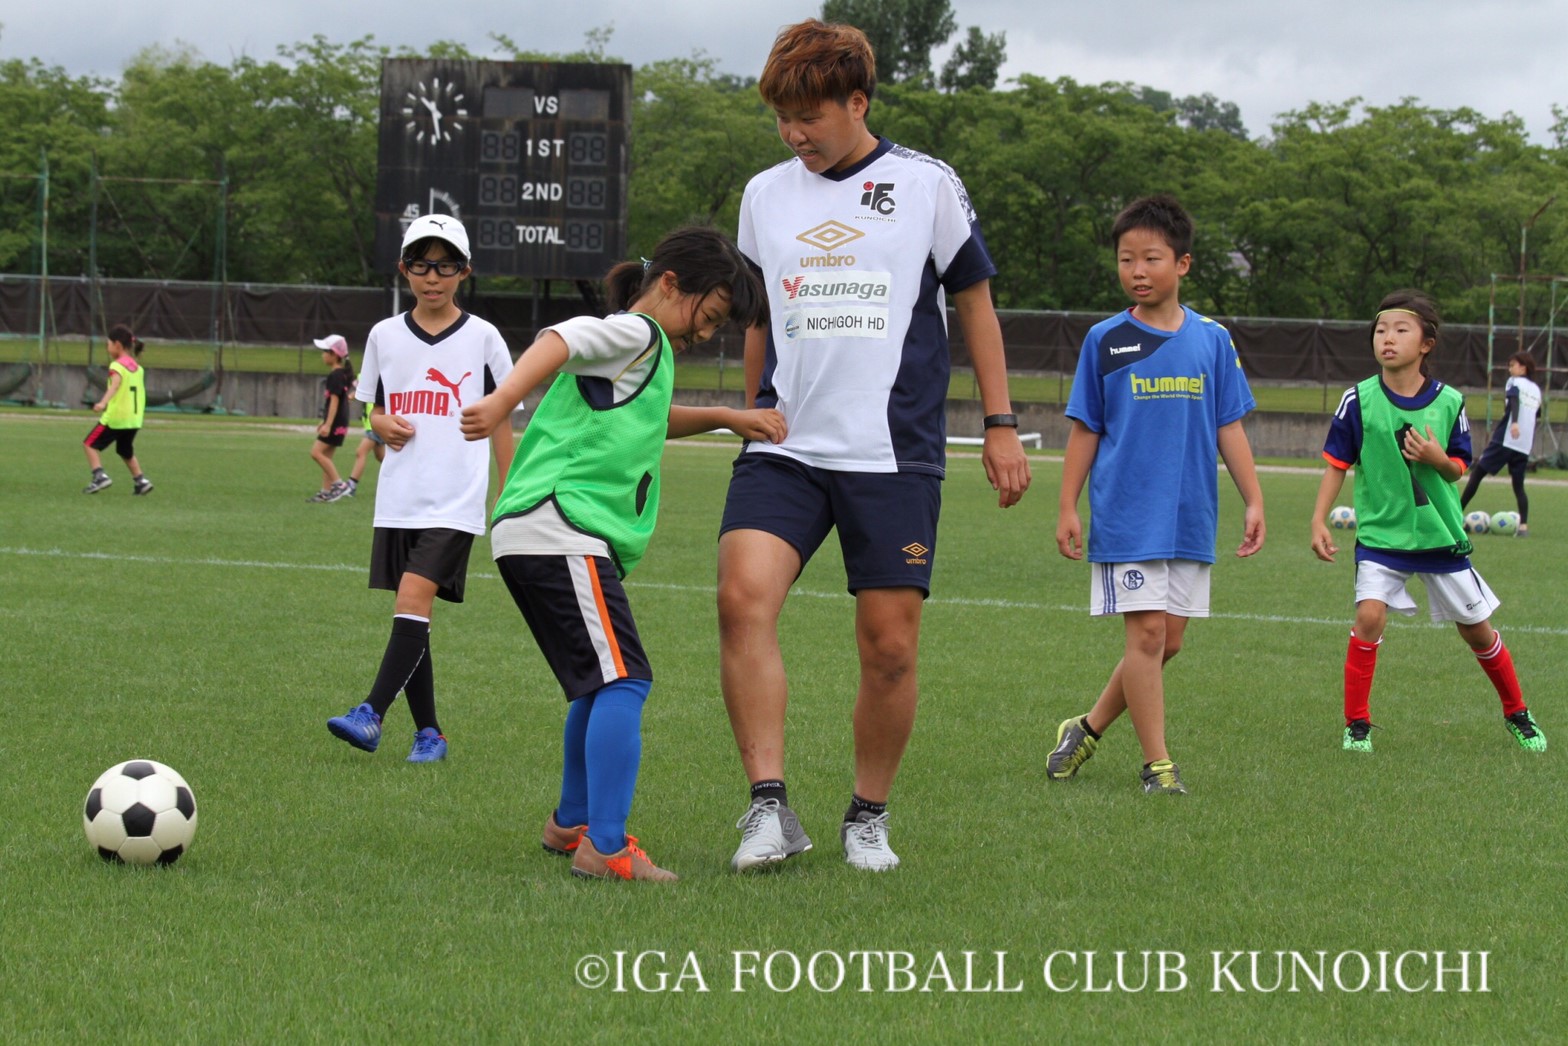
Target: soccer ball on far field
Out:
[140,812]
[1477,523]
[1342,517]
[1505,523]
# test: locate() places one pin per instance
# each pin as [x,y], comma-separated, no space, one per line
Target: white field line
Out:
[992,604]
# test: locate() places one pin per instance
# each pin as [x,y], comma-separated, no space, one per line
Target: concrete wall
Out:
[299,396]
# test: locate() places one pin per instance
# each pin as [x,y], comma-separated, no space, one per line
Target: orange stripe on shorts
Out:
[604,618]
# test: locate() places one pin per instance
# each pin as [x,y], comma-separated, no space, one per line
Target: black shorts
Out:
[886,521]
[123,439]
[577,610]
[334,440]
[436,554]
[1496,457]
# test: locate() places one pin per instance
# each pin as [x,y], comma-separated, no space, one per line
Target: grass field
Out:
[720,374]
[333,896]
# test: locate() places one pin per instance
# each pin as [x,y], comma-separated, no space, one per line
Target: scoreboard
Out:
[530,156]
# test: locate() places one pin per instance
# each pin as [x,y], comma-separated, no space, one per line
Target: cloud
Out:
[1494,56]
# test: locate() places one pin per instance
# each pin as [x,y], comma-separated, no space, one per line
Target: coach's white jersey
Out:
[1529,406]
[438,479]
[856,264]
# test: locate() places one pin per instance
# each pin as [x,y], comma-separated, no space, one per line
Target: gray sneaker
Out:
[769,832]
[865,843]
[98,483]
[1162,778]
[337,492]
[1074,746]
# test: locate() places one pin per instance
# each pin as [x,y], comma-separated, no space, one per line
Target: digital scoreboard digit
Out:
[531,156]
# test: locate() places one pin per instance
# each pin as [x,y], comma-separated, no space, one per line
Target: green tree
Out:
[1352,203]
[1198,112]
[975,62]
[700,136]
[293,139]
[596,44]
[1204,112]
[47,110]
[903,33]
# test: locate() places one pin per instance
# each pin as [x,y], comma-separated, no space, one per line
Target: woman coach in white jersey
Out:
[858,241]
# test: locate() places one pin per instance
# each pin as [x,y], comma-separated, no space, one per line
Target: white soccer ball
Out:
[1342,517]
[1477,523]
[1505,523]
[140,812]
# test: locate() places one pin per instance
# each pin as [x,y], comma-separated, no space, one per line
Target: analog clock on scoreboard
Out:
[531,156]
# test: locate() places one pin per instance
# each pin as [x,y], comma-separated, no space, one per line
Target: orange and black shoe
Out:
[629,863]
[560,840]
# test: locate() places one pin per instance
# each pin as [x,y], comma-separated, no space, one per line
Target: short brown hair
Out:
[813,62]
[1161,213]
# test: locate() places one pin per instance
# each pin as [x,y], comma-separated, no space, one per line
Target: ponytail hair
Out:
[703,260]
[1525,360]
[122,334]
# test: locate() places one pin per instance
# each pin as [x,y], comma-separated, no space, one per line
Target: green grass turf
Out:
[334,896]
[700,374]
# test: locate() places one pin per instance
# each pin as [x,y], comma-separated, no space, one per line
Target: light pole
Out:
[1524,231]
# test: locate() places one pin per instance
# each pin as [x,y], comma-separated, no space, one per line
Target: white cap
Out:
[441,227]
[333,343]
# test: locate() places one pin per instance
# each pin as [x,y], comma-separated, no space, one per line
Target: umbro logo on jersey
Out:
[878,196]
[828,237]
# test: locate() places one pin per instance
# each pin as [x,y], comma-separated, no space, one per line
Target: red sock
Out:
[1498,664]
[1360,664]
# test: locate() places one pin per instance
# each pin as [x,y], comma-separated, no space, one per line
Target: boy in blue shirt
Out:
[1158,394]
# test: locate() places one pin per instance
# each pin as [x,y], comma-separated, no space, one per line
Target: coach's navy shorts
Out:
[886,521]
[434,553]
[577,610]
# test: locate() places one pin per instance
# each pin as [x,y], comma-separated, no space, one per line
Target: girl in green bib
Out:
[580,503]
[1406,435]
[121,408]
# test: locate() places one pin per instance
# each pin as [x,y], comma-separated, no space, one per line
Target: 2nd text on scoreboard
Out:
[531,156]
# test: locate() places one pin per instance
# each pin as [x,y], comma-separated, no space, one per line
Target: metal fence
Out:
[1314,352]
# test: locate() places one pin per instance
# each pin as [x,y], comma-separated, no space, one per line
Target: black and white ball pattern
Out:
[140,812]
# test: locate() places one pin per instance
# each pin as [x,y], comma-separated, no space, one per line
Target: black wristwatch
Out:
[1001,421]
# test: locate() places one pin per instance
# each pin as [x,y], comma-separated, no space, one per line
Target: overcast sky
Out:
[1495,56]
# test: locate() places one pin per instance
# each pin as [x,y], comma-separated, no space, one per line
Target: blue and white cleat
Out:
[429,746]
[360,727]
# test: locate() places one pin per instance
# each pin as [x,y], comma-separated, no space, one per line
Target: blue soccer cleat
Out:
[360,727]
[429,746]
